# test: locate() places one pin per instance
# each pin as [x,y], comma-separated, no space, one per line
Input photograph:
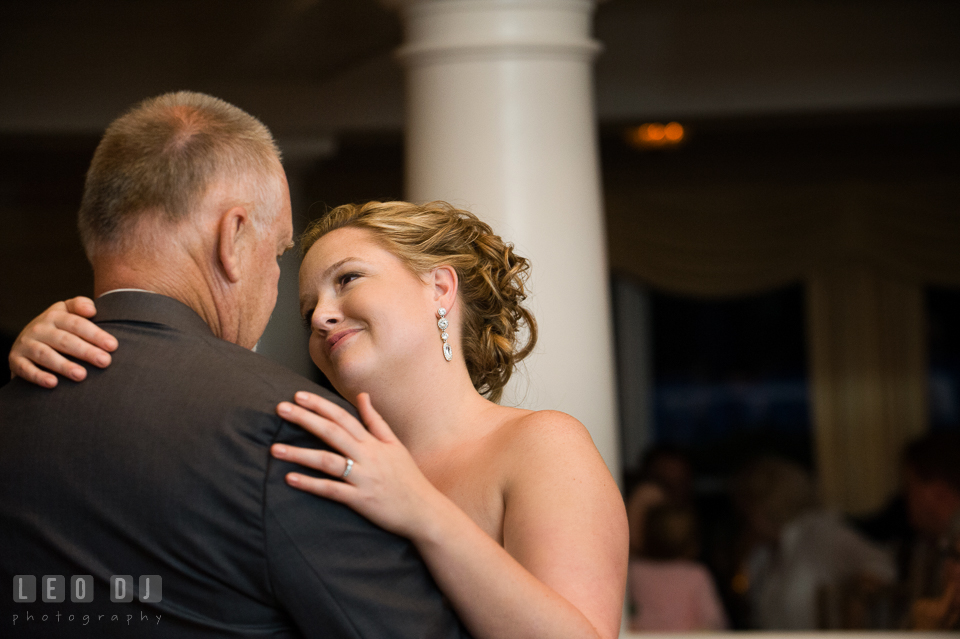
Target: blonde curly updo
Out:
[492,276]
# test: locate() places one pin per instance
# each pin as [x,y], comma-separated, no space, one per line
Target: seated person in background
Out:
[666,475]
[931,472]
[943,612]
[669,590]
[804,552]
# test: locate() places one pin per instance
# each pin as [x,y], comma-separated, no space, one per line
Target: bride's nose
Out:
[326,316]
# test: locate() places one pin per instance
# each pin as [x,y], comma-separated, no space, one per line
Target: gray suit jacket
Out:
[160,465]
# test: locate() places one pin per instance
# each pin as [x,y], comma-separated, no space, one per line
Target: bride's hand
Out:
[62,329]
[383,484]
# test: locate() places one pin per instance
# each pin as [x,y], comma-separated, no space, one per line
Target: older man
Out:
[144,501]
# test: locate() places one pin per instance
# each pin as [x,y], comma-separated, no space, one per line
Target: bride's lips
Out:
[336,338]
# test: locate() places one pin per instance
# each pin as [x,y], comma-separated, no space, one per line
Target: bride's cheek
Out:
[316,354]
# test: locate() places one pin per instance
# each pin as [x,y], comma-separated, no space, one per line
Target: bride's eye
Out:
[346,278]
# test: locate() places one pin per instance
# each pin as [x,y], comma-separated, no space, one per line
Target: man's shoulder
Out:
[164,343]
[245,374]
[249,366]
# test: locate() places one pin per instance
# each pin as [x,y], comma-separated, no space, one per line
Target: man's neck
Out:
[186,286]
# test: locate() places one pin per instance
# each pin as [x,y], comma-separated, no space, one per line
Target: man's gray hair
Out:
[160,159]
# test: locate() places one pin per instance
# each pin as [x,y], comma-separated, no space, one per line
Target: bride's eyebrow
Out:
[333,267]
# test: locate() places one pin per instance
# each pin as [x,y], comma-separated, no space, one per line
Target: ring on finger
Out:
[346,471]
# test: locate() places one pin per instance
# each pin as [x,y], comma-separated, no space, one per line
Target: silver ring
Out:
[346,471]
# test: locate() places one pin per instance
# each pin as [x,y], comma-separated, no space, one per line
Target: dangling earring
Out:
[443,324]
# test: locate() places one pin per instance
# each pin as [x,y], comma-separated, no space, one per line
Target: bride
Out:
[416,318]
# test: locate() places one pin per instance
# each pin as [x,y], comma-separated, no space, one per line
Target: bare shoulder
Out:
[552,423]
[548,454]
[550,438]
[551,468]
[564,518]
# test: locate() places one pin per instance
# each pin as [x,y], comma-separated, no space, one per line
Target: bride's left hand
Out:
[384,483]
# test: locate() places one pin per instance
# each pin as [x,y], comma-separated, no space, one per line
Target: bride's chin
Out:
[349,383]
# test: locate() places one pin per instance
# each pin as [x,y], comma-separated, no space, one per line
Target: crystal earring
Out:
[443,324]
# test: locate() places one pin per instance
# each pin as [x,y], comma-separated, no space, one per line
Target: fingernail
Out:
[279,450]
[112,344]
[103,360]
[283,408]
[293,479]
[301,396]
[76,374]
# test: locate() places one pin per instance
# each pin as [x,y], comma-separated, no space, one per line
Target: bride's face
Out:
[370,316]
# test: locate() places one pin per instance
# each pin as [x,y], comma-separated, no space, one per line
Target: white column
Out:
[500,121]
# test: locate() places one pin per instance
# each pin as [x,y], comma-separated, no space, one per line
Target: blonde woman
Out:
[416,317]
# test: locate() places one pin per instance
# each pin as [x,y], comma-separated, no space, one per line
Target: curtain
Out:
[864,252]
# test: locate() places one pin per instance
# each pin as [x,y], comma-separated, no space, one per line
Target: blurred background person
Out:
[931,475]
[666,476]
[669,589]
[942,612]
[804,556]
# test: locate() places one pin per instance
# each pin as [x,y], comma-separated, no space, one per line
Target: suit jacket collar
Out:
[153,308]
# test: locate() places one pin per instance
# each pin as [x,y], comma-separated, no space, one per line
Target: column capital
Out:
[446,30]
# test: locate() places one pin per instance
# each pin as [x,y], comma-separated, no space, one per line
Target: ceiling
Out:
[315,68]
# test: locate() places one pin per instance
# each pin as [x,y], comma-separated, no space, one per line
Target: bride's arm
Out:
[562,569]
[62,329]
[565,537]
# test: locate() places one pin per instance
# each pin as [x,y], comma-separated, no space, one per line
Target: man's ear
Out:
[445,283]
[232,229]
